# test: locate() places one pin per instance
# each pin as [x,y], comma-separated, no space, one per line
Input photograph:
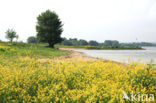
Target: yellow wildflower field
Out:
[29,80]
[26,78]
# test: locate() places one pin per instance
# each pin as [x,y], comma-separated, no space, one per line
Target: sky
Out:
[122,20]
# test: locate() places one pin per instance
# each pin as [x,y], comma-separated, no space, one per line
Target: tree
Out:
[49,28]
[108,43]
[32,39]
[67,42]
[74,41]
[113,43]
[11,34]
[93,43]
[83,42]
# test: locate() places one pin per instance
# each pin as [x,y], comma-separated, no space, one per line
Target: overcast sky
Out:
[123,20]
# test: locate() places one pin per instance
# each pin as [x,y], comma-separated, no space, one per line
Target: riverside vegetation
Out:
[102,47]
[24,77]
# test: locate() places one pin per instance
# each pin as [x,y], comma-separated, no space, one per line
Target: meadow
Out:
[24,77]
[32,50]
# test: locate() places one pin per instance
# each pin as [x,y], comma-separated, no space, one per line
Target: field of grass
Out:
[24,78]
[101,47]
[31,50]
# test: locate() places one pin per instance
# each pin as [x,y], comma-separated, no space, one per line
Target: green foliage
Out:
[11,34]
[74,41]
[83,42]
[32,39]
[100,47]
[66,42]
[108,44]
[138,44]
[93,43]
[49,28]
[113,47]
[70,42]
[113,43]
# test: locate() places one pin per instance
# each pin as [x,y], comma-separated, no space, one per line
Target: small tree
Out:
[32,39]
[49,28]
[10,34]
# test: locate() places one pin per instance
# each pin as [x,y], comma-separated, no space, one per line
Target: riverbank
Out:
[127,56]
[102,47]
[77,55]
[81,56]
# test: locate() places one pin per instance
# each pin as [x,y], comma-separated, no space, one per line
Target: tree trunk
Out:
[51,45]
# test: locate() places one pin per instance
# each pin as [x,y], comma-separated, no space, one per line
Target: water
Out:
[124,55]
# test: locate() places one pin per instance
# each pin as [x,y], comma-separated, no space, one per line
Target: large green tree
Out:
[11,34]
[49,28]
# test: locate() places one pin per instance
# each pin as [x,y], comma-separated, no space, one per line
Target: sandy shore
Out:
[81,56]
[77,55]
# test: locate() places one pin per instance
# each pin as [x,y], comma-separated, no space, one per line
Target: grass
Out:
[31,50]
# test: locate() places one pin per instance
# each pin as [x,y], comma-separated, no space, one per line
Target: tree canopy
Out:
[93,43]
[32,39]
[113,43]
[83,42]
[11,34]
[49,28]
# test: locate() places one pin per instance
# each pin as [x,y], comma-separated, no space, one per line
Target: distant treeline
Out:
[138,44]
[82,42]
[112,43]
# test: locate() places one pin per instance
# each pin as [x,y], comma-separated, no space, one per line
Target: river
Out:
[126,56]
